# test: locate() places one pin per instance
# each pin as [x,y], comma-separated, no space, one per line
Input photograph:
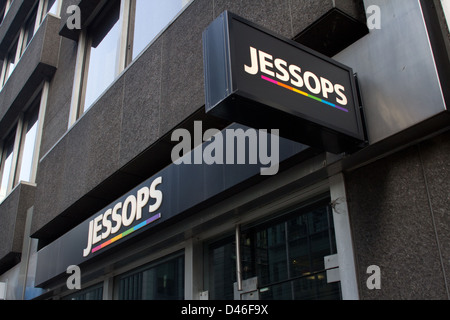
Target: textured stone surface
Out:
[35,65]
[13,214]
[60,96]
[435,155]
[393,226]
[274,15]
[141,112]
[182,87]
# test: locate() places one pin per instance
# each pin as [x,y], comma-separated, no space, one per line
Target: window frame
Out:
[5,10]
[38,100]
[22,40]
[78,107]
[8,60]
[125,55]
[304,210]
[154,263]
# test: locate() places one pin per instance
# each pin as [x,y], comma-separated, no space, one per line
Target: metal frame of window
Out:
[38,13]
[142,268]
[280,220]
[125,56]
[38,100]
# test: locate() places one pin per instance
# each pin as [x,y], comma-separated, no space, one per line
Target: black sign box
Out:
[265,81]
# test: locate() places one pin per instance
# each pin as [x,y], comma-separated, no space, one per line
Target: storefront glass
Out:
[91,294]
[162,280]
[286,254]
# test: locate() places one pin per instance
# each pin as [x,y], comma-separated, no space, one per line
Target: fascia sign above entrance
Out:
[261,80]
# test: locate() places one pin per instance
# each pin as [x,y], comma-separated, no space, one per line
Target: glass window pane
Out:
[52,6]
[29,28]
[29,145]
[11,61]
[222,270]
[150,18]
[93,293]
[103,59]
[159,281]
[6,165]
[287,257]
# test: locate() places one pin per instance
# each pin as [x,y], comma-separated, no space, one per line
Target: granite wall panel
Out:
[394,227]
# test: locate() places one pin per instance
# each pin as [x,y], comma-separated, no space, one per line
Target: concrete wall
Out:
[400,221]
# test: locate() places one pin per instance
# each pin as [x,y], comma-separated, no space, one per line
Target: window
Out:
[116,37]
[162,280]
[102,58]
[286,254]
[27,151]
[9,63]
[6,165]
[19,46]
[53,7]
[4,9]
[29,30]
[18,157]
[150,17]
[93,293]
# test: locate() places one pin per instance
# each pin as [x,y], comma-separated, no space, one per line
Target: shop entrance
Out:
[281,258]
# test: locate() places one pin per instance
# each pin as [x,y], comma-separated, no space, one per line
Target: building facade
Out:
[93,95]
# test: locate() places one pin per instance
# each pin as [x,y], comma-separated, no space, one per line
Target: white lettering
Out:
[123,214]
[263,60]
[285,72]
[313,88]
[156,194]
[296,75]
[254,60]
[130,201]
[107,224]
[340,92]
[96,237]
[280,65]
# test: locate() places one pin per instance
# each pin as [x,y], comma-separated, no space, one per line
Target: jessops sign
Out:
[174,193]
[261,80]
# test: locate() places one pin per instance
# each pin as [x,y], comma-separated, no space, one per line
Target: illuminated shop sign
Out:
[104,228]
[261,80]
[173,193]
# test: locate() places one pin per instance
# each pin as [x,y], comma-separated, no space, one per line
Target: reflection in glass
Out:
[6,165]
[11,62]
[160,281]
[287,257]
[28,146]
[103,59]
[52,6]
[150,18]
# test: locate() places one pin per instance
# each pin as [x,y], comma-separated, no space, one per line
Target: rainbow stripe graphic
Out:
[303,93]
[128,232]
